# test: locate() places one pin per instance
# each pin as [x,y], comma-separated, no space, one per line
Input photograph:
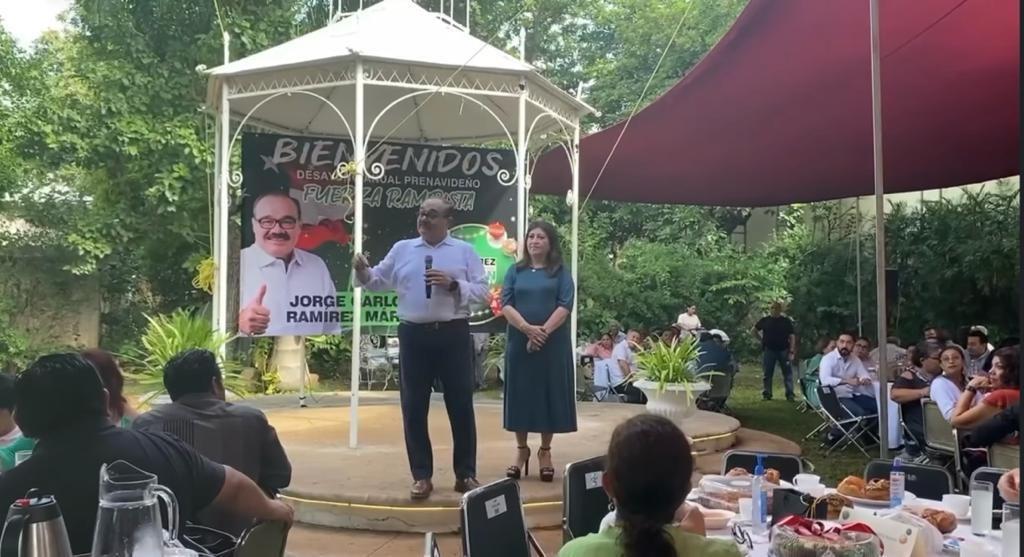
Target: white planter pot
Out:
[677,402]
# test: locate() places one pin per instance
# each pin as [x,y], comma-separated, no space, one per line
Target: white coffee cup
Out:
[816,490]
[746,508]
[957,504]
[806,481]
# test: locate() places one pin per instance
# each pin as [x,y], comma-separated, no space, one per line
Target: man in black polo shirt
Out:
[232,434]
[912,385]
[62,403]
[778,340]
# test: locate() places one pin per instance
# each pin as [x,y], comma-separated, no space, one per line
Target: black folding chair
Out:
[924,480]
[584,501]
[992,475]
[493,524]
[430,548]
[853,427]
[788,465]
[266,539]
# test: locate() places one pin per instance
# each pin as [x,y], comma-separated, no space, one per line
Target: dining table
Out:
[761,546]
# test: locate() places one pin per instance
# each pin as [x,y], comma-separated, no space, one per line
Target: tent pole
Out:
[876,128]
[357,247]
[574,316]
[860,307]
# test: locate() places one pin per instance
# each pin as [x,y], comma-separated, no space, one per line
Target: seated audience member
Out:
[12,441]
[862,350]
[61,402]
[714,355]
[895,355]
[997,391]
[912,385]
[615,330]
[846,374]
[670,335]
[1001,427]
[624,369]
[602,349]
[978,351]
[1009,486]
[647,504]
[243,438]
[946,388]
[822,347]
[121,413]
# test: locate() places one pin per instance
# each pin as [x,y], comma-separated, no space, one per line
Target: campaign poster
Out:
[297,219]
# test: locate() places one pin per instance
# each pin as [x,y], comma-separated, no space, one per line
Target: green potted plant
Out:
[668,375]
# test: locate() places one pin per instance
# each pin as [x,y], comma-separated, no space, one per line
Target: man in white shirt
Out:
[688,320]
[978,350]
[846,374]
[623,367]
[284,290]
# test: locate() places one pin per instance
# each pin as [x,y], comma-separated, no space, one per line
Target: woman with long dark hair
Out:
[540,397]
[997,391]
[648,477]
[121,413]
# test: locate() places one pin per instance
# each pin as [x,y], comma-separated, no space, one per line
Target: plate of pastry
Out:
[873,493]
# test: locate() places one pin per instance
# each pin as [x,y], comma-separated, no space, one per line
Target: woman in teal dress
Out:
[537,298]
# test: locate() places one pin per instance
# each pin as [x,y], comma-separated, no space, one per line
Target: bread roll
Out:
[738,472]
[877,490]
[771,476]
[944,521]
[852,486]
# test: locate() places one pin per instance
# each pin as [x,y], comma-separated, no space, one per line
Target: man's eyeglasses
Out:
[287,223]
[864,346]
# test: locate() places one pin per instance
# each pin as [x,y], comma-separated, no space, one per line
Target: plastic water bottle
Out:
[759,499]
[897,484]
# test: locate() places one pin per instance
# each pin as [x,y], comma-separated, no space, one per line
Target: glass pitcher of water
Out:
[128,520]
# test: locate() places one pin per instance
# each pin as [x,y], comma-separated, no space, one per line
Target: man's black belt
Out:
[435,325]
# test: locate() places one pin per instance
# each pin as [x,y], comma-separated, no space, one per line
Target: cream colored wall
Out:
[762,224]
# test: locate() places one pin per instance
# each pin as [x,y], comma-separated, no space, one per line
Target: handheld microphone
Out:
[428,264]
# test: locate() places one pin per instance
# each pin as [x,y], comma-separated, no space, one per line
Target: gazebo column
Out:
[358,156]
[521,170]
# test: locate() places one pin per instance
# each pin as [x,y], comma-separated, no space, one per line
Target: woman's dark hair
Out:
[1010,358]
[554,262]
[646,502]
[56,392]
[111,376]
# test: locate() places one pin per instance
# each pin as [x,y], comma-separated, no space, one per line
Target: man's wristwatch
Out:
[972,388]
[453,286]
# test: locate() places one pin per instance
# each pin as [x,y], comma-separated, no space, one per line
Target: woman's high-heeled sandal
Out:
[514,471]
[547,473]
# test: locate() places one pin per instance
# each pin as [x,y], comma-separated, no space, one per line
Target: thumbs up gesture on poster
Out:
[254,318]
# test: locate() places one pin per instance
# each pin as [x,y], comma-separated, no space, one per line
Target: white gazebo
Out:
[391,72]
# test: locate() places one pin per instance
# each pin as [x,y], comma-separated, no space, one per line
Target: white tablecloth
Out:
[895,433]
[963,531]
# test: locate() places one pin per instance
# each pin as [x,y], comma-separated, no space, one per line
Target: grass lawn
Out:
[781,418]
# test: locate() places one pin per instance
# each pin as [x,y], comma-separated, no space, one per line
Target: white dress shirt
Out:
[403,270]
[834,369]
[945,393]
[621,352]
[301,297]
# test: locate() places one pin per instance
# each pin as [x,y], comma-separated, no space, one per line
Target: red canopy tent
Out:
[779,111]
